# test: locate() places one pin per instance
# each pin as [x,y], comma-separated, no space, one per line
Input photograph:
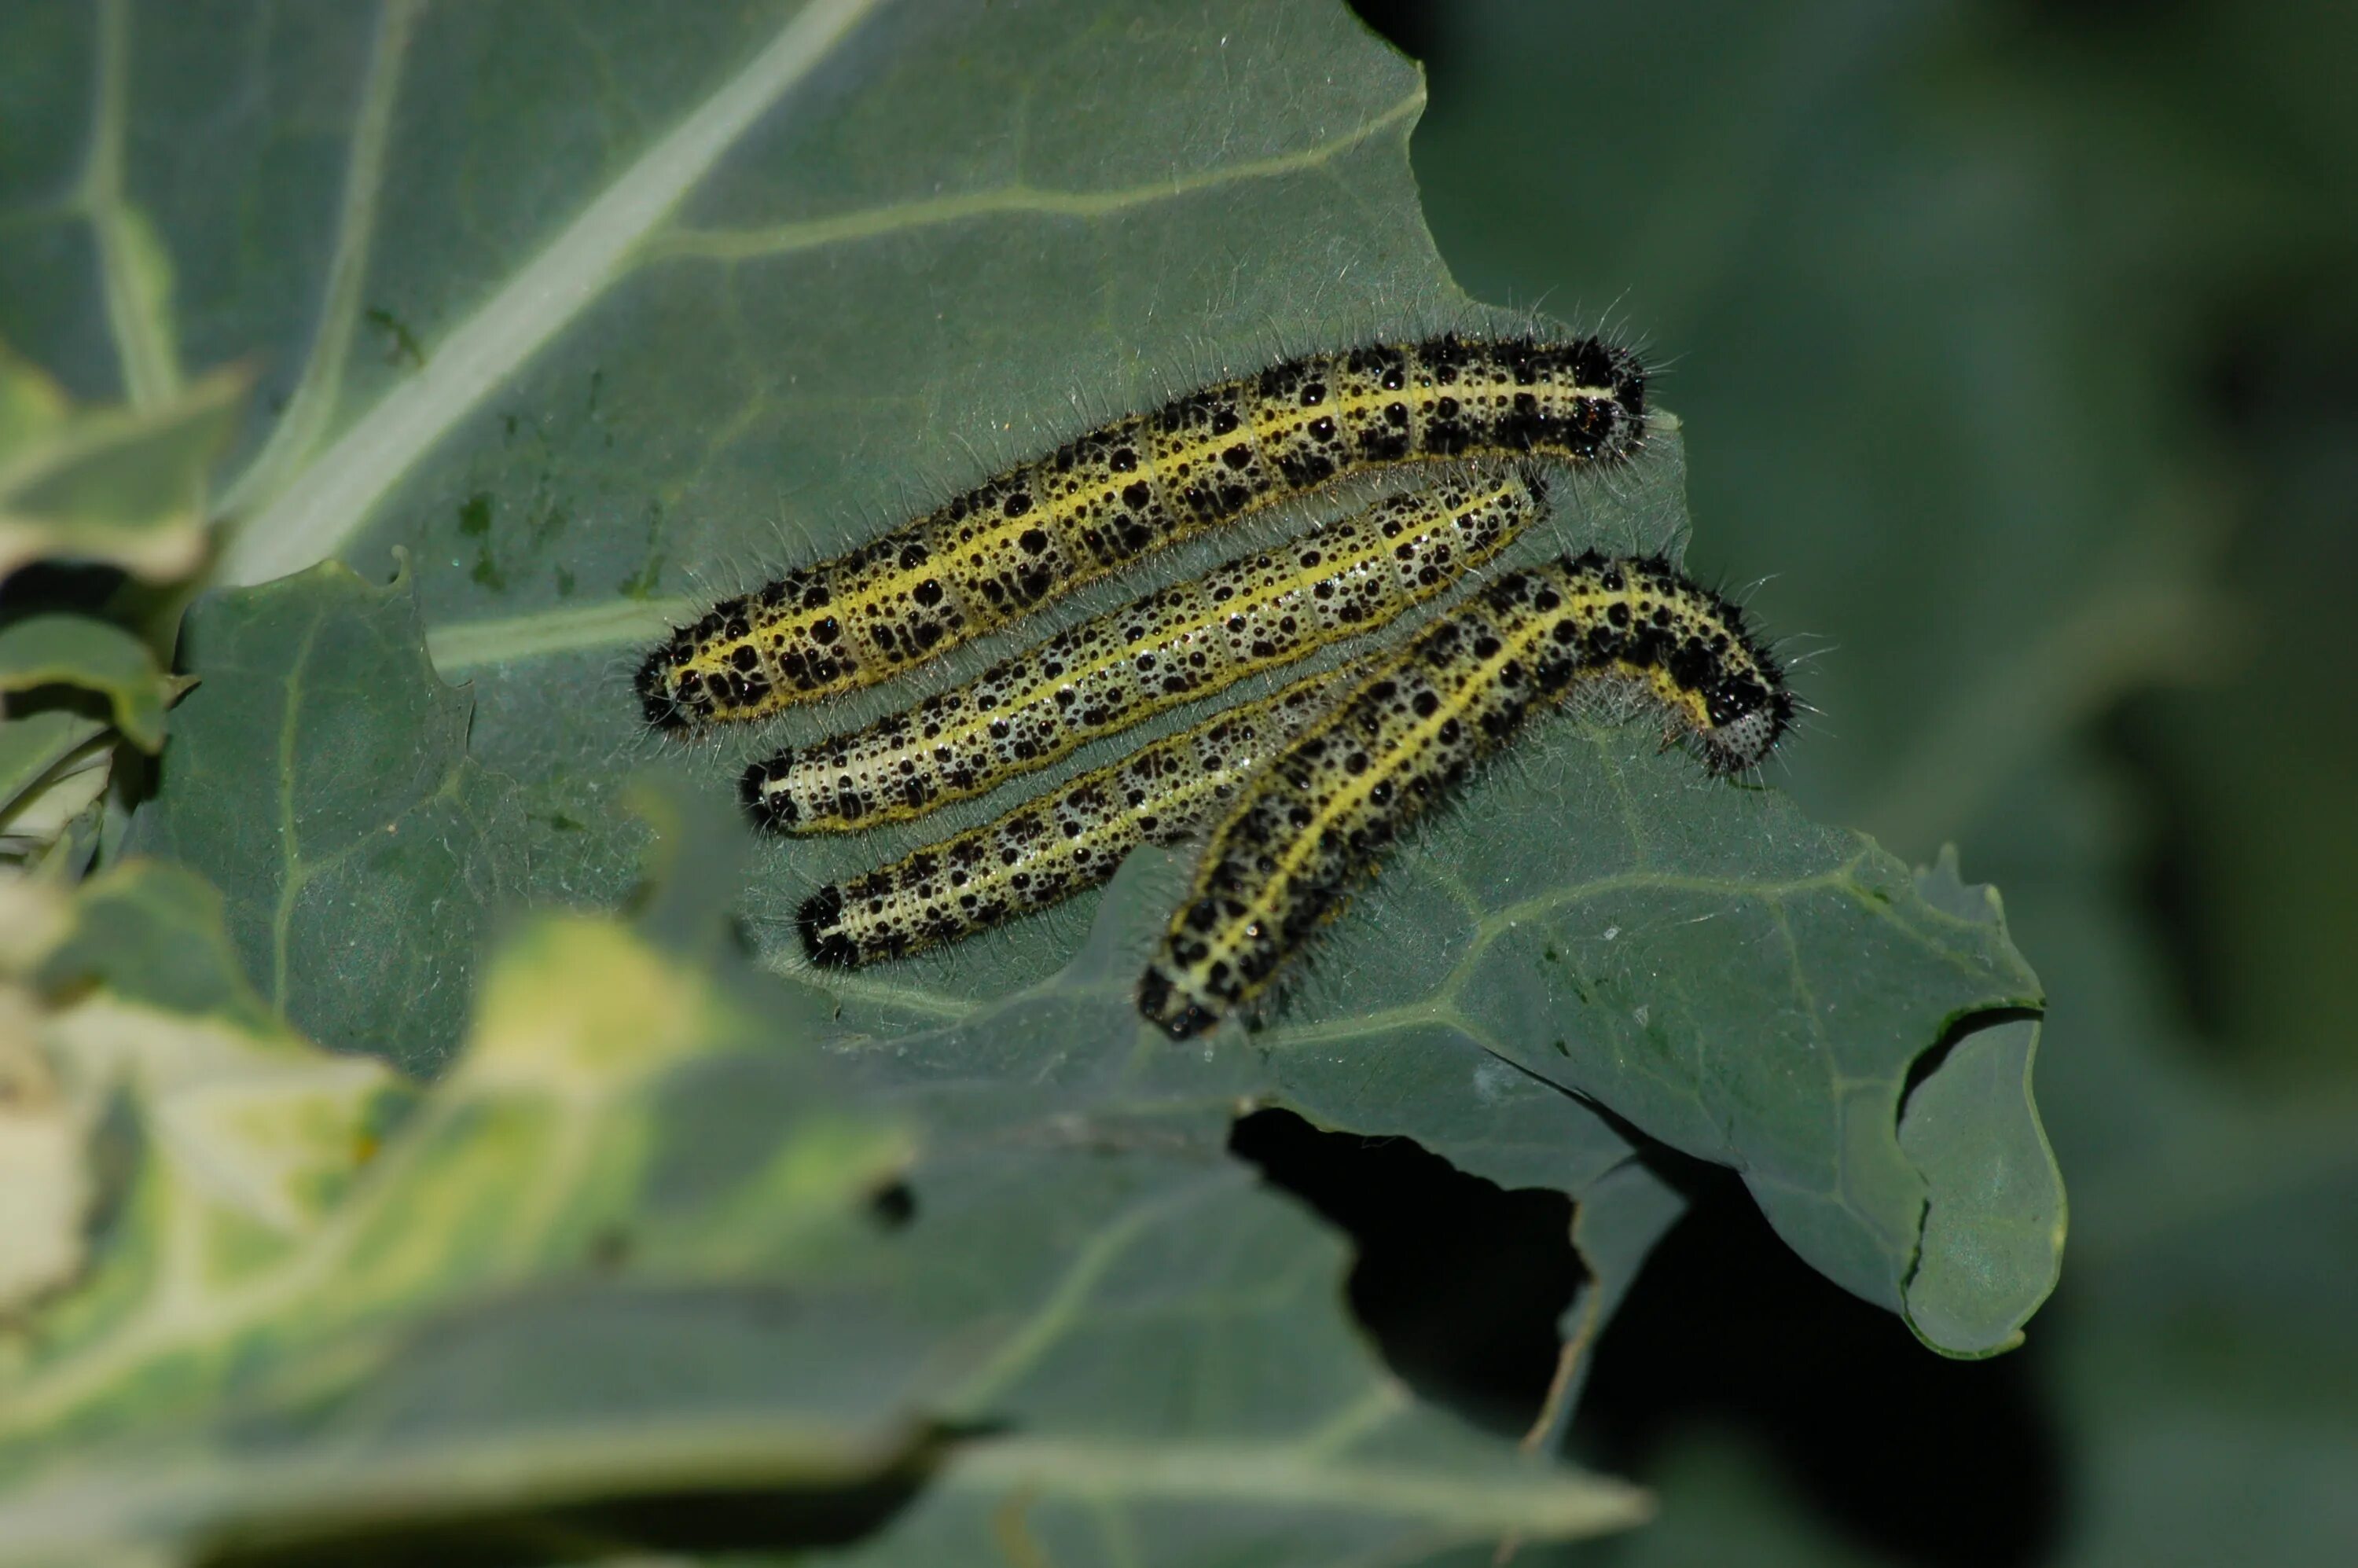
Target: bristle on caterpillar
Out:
[1186,641]
[1312,821]
[1035,533]
[1069,839]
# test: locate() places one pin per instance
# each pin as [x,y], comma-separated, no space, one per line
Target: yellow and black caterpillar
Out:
[1039,530]
[1062,843]
[1260,611]
[1310,821]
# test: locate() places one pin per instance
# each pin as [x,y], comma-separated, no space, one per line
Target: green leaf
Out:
[1994,1221]
[74,650]
[590,429]
[594,319]
[1732,980]
[54,768]
[1179,1341]
[1729,977]
[125,486]
[129,991]
[320,778]
[46,1186]
[271,1259]
[32,747]
[151,936]
[1735,982]
[623,1250]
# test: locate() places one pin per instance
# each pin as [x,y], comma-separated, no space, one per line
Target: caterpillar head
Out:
[1750,711]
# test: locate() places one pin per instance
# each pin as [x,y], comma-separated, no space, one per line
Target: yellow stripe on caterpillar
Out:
[1186,641]
[1067,841]
[1312,821]
[1034,534]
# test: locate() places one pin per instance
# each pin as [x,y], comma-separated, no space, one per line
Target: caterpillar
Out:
[1050,849]
[1312,821]
[1036,531]
[1259,610]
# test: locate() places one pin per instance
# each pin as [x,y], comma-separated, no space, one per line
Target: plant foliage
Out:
[417,1153]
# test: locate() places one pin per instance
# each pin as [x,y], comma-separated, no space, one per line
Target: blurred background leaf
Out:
[124,485]
[2015,330]
[102,490]
[93,656]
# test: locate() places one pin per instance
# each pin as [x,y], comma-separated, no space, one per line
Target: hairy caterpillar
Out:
[1311,822]
[1035,533]
[1069,839]
[1189,640]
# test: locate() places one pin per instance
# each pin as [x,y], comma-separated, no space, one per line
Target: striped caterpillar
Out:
[1069,839]
[1034,534]
[1311,822]
[1185,641]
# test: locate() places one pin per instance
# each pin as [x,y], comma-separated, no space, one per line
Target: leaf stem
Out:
[313,405]
[327,505]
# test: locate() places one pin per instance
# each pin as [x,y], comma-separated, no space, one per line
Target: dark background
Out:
[2013,345]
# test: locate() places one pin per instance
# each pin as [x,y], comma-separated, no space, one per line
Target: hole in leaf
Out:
[1460,1281]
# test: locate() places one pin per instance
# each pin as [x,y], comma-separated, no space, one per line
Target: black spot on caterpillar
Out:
[1313,820]
[1185,641]
[1035,533]
[1069,839]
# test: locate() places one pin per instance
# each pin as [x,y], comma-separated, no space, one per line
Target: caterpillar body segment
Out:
[1037,531]
[1068,840]
[1186,641]
[1310,823]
